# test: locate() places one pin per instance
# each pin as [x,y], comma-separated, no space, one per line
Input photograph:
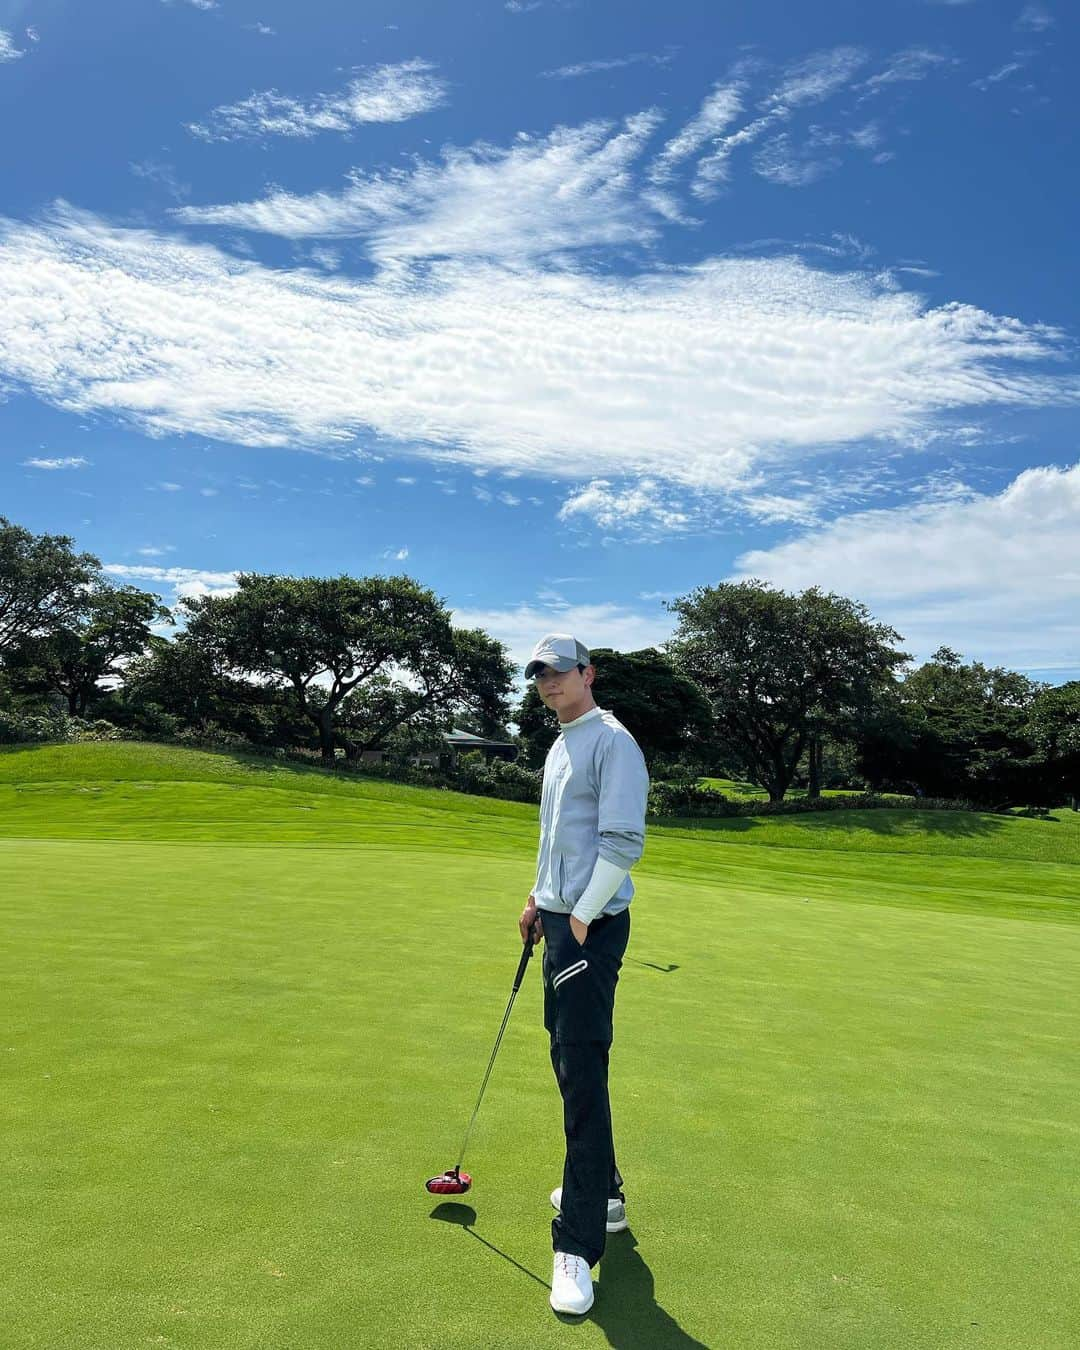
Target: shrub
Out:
[496,778]
[35,728]
[687,800]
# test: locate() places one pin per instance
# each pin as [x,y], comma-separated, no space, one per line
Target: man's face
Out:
[563,689]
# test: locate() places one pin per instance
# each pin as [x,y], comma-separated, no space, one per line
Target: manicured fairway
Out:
[245,1012]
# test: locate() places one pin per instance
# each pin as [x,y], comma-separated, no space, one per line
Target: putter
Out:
[454,1181]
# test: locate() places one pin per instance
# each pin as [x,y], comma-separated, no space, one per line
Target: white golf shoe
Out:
[616,1211]
[571,1284]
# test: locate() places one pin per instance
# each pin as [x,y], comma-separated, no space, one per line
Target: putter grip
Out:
[525,955]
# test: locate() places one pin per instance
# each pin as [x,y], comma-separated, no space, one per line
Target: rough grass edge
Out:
[472,774]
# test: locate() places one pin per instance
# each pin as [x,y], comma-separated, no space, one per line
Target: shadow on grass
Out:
[664,970]
[626,1309]
[465,1216]
[886,821]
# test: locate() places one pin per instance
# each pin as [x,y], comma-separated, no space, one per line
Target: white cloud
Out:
[68,462]
[642,508]
[805,82]
[568,190]
[1035,18]
[8,50]
[915,63]
[609,63]
[781,161]
[390,93]
[1002,73]
[995,576]
[172,576]
[717,112]
[152,551]
[32,34]
[396,554]
[208,492]
[602,625]
[684,374]
[867,137]
[156,171]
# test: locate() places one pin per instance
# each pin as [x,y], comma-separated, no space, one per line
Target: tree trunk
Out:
[326,735]
[73,703]
[813,787]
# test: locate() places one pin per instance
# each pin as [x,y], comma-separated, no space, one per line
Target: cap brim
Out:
[561,664]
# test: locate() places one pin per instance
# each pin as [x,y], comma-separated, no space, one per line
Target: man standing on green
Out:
[592,831]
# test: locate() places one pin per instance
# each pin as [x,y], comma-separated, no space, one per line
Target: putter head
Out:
[451,1182]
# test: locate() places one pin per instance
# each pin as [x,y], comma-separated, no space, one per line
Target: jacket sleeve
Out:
[624,794]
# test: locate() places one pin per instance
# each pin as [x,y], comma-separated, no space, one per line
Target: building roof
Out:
[465,740]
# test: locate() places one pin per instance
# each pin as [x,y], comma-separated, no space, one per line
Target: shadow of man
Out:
[626,1309]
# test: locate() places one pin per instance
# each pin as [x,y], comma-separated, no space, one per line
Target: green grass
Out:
[246,1008]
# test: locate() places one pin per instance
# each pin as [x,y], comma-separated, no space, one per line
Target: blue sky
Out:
[562,308]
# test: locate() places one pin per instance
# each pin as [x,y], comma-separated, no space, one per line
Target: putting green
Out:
[246,1010]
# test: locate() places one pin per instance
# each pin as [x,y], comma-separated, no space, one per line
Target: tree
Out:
[664,711]
[471,676]
[41,584]
[1054,730]
[188,683]
[105,624]
[322,638]
[780,671]
[968,728]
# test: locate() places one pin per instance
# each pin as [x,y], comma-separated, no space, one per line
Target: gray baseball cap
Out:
[558,651]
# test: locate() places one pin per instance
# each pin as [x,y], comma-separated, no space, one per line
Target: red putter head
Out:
[452,1182]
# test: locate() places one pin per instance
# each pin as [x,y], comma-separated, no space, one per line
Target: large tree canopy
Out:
[781,670]
[967,728]
[106,624]
[41,583]
[324,639]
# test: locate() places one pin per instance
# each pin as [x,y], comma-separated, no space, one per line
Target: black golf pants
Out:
[579,1000]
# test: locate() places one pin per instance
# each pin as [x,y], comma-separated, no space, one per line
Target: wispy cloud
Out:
[915,63]
[1002,73]
[684,374]
[389,93]
[804,83]
[720,108]
[68,462]
[8,50]
[395,554]
[194,4]
[782,161]
[571,189]
[609,63]
[156,171]
[1035,18]
[997,576]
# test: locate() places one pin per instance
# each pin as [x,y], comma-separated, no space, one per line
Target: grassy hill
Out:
[247,1006]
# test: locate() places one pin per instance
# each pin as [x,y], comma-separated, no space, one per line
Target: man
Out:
[592,831]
